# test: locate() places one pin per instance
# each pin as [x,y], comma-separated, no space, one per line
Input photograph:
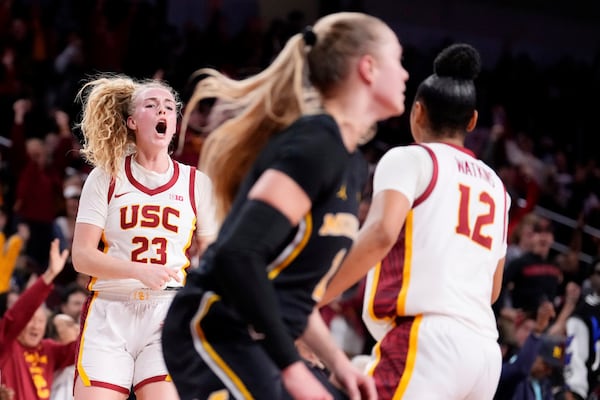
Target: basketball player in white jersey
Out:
[436,234]
[146,210]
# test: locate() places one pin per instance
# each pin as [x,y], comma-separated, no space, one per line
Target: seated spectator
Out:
[27,360]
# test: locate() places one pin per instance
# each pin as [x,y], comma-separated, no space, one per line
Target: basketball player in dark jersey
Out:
[289,217]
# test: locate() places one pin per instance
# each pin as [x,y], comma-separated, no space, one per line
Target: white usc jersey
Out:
[151,226]
[444,260]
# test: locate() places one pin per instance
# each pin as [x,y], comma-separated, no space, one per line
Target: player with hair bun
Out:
[436,237]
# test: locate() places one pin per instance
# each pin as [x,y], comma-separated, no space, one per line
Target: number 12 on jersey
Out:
[486,218]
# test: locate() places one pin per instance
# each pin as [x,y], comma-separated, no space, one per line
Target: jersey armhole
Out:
[434,177]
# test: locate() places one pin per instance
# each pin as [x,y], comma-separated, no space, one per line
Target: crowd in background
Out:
[535,130]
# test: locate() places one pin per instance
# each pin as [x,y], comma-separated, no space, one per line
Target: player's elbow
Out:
[383,234]
[78,256]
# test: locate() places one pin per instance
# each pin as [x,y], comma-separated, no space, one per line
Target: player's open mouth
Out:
[161,127]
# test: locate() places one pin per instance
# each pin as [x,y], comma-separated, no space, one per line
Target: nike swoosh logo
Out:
[121,194]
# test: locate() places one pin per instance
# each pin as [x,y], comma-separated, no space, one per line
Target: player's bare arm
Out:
[377,236]
[87,258]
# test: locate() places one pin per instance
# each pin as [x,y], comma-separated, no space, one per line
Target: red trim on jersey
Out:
[160,378]
[432,182]
[143,188]
[105,385]
[111,189]
[460,148]
[192,189]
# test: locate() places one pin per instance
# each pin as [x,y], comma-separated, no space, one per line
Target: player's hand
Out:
[156,277]
[301,384]
[57,261]
[357,385]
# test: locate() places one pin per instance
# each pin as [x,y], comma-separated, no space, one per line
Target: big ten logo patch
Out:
[173,196]
[149,216]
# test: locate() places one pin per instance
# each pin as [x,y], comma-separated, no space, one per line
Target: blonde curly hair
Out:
[107,102]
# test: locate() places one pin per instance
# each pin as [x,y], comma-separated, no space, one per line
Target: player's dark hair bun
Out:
[458,61]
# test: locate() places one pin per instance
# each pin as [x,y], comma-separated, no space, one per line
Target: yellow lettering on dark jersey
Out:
[340,224]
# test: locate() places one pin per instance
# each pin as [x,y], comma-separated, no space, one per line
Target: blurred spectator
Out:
[511,155]
[521,240]
[40,178]
[571,300]
[72,301]
[582,371]
[521,358]
[584,195]
[69,69]
[534,277]
[190,142]
[65,331]
[12,80]
[538,384]
[38,181]
[557,189]
[82,280]
[64,225]
[16,154]
[9,252]
[63,149]
[27,360]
